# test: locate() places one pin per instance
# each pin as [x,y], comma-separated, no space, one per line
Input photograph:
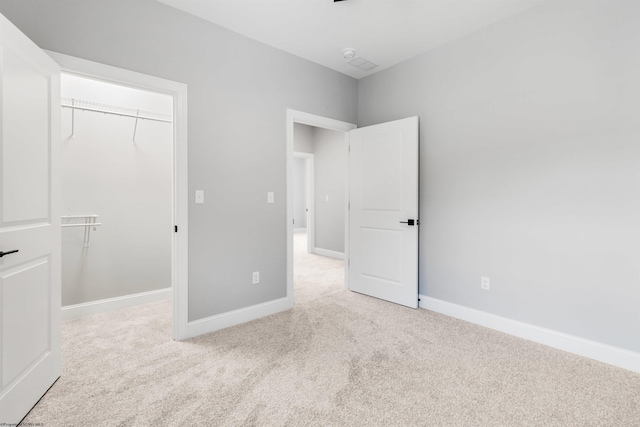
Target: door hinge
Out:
[175,228]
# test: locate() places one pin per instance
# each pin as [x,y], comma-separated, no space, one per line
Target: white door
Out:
[383,212]
[30,359]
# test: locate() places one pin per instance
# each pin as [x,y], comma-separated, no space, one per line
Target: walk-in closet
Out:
[116,163]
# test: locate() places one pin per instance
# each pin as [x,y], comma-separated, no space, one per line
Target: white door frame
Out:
[294,116]
[179,244]
[310,190]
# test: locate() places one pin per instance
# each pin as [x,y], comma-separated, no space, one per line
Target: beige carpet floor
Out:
[337,359]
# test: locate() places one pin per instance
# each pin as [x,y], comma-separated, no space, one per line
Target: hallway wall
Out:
[299,192]
[330,178]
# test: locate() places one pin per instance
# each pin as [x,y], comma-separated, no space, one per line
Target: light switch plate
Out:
[199,196]
[270,197]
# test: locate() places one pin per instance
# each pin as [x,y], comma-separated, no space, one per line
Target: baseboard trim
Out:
[232,318]
[594,350]
[70,312]
[328,253]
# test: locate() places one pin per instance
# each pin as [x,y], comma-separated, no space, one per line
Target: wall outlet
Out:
[199,196]
[485,283]
[256,277]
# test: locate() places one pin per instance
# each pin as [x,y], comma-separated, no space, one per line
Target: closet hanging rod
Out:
[76,221]
[76,104]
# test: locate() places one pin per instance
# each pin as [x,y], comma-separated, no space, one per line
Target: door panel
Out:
[381,171]
[30,359]
[28,288]
[383,188]
[382,256]
[25,118]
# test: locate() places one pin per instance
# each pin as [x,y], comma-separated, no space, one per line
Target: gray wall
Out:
[303,143]
[128,185]
[239,90]
[303,138]
[330,172]
[530,154]
[300,192]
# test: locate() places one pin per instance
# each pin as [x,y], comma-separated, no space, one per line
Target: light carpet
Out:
[337,359]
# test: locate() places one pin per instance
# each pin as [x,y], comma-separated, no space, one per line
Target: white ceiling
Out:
[384,32]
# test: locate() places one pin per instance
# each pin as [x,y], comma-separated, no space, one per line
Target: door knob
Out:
[7,253]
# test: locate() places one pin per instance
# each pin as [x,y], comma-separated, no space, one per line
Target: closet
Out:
[116,165]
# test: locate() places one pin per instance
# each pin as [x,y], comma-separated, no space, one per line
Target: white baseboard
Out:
[232,318]
[594,350]
[70,312]
[328,253]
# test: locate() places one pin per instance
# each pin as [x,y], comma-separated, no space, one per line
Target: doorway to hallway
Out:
[317,206]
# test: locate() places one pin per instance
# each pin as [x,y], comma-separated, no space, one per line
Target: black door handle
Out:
[409,222]
[7,253]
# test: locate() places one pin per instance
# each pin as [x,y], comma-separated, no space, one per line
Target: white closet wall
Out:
[127,184]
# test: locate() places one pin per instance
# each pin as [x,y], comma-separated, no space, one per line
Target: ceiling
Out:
[384,32]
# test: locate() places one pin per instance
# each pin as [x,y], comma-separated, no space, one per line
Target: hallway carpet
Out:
[337,359]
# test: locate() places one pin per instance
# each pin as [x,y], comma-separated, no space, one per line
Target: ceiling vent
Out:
[350,56]
[362,63]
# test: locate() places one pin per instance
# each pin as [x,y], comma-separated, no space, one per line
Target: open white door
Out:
[383,214]
[30,359]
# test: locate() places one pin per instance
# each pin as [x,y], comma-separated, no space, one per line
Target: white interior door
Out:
[30,359]
[383,189]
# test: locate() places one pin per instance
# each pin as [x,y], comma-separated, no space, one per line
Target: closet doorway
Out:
[124,190]
[116,169]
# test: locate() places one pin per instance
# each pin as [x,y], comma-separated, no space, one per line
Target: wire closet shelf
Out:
[86,221]
[79,104]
